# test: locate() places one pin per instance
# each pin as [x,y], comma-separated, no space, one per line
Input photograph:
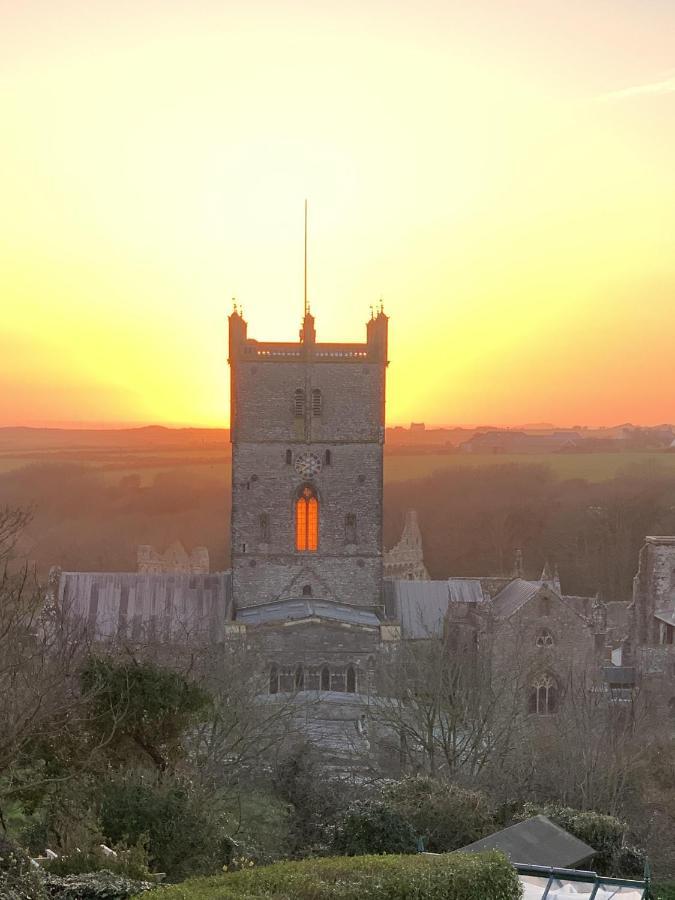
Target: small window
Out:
[351,680]
[264,527]
[327,458]
[299,404]
[307,590]
[300,678]
[274,680]
[316,402]
[350,528]
[289,457]
[325,679]
[545,638]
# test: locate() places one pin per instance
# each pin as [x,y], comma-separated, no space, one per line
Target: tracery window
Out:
[544,696]
[325,679]
[545,638]
[307,520]
[299,404]
[316,402]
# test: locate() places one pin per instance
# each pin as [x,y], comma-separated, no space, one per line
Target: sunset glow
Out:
[500,172]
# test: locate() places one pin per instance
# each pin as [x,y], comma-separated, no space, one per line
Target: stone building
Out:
[174,559]
[406,559]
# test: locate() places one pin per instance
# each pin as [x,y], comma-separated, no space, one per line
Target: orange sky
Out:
[500,171]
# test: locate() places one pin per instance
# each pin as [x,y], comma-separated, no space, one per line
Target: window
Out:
[299,678]
[289,457]
[307,520]
[274,680]
[264,527]
[325,679]
[327,458]
[307,590]
[299,404]
[545,638]
[351,680]
[543,696]
[316,402]
[350,528]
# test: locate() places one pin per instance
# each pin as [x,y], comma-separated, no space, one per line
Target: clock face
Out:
[307,465]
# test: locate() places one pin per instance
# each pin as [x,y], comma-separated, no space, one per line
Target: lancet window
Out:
[307,520]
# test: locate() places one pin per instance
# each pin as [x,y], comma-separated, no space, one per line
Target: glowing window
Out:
[307,520]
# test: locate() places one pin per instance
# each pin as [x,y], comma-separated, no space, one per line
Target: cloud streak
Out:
[666,86]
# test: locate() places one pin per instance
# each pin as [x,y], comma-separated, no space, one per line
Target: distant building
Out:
[174,559]
[406,559]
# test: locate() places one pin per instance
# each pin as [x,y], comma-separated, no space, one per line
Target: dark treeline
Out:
[472,519]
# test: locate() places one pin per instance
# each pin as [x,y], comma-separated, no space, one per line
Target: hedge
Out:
[484,876]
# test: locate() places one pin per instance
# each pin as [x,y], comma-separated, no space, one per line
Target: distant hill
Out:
[148,437]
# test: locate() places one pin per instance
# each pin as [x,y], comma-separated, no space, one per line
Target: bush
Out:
[185,835]
[445,815]
[131,862]
[373,827]
[19,880]
[480,876]
[606,834]
[94,886]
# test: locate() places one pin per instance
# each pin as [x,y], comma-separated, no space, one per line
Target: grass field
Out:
[397,467]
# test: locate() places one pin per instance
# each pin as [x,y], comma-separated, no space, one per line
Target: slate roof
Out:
[422,606]
[516,594]
[666,615]
[306,608]
[148,607]
[538,842]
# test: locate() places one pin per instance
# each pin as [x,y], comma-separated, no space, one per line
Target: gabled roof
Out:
[515,595]
[666,615]
[536,841]
[422,606]
[281,611]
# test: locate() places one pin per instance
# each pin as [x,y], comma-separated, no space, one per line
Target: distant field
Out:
[194,461]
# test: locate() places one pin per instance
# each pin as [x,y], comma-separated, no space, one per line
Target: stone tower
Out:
[307,432]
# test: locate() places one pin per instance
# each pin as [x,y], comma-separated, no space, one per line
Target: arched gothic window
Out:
[307,520]
[351,680]
[299,404]
[316,402]
[543,696]
[300,678]
[327,458]
[325,679]
[545,638]
[289,456]
[274,680]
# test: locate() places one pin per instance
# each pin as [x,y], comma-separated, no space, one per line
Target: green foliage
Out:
[606,834]
[486,876]
[101,885]
[185,835]
[130,861]
[664,891]
[18,879]
[448,817]
[142,707]
[373,827]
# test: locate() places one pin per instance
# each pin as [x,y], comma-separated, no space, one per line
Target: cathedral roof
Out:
[279,611]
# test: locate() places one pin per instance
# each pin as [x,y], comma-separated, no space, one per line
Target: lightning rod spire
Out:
[306,304]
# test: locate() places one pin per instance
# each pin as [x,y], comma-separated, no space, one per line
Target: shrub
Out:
[19,880]
[131,862]
[101,885]
[606,834]
[185,835]
[480,876]
[448,817]
[373,827]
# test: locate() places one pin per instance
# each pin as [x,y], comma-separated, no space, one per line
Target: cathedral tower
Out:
[307,432]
